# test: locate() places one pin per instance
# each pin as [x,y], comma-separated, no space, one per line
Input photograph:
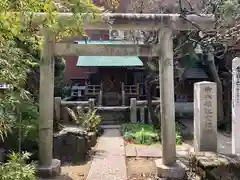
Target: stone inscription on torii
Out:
[167,23]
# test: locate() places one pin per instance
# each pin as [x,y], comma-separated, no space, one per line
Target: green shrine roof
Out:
[107,61]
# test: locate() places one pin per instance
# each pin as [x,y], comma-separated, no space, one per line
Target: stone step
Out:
[109,122]
[110,126]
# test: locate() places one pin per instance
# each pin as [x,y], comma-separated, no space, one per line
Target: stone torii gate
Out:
[167,23]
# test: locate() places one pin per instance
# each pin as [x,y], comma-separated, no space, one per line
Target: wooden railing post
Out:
[91,104]
[123,95]
[138,91]
[100,98]
[65,114]
[149,118]
[123,98]
[57,107]
[133,110]
[142,114]
[100,95]
[86,91]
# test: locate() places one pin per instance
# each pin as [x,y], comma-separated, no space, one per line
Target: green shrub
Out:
[6,124]
[178,134]
[17,168]
[89,120]
[24,130]
[144,133]
[136,127]
[139,133]
[128,136]
[178,138]
[145,137]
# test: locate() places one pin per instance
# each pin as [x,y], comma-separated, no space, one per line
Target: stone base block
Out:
[215,166]
[50,171]
[176,171]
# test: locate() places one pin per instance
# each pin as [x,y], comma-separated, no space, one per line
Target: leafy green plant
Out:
[89,120]
[24,126]
[144,133]
[128,136]
[135,127]
[178,134]
[5,124]
[139,133]
[16,168]
[178,138]
[145,137]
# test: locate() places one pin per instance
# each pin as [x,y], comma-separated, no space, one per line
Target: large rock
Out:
[215,166]
[71,144]
[93,138]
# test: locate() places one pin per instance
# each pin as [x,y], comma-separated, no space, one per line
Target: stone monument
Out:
[205,116]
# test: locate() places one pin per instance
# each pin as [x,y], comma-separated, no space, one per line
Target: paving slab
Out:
[183,147]
[109,160]
[182,153]
[157,151]
[224,141]
[149,152]
[130,151]
[110,126]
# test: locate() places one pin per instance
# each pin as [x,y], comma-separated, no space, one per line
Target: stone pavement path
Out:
[152,152]
[109,161]
[224,146]
[224,143]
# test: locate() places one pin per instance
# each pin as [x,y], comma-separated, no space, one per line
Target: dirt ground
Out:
[144,169]
[74,172]
[140,168]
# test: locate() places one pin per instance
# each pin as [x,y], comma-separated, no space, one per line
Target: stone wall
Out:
[111,117]
[215,166]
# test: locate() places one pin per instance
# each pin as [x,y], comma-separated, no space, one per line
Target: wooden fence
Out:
[61,107]
[138,109]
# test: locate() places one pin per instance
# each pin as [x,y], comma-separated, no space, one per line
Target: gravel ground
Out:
[189,176]
[144,169]
[73,172]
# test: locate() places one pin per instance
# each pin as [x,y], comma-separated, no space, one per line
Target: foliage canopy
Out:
[20,46]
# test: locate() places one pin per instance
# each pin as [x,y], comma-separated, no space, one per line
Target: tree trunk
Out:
[216,78]
[148,88]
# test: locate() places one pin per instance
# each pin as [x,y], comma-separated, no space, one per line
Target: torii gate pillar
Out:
[47,167]
[167,166]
